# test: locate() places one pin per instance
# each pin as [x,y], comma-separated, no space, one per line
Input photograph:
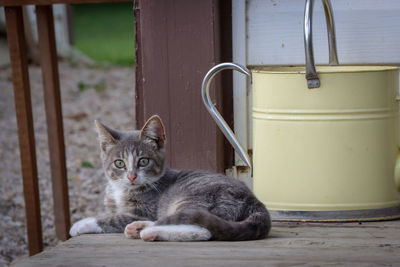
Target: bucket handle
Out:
[205,94]
[311,73]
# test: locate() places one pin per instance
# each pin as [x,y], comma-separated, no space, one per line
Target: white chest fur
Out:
[117,193]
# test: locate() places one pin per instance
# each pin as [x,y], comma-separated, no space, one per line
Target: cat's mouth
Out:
[134,183]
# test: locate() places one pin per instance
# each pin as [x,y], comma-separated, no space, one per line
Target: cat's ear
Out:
[153,130]
[107,136]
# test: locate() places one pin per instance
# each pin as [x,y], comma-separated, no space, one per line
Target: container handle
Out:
[223,126]
[311,73]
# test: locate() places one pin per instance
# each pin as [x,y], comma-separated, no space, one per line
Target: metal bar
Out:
[23,108]
[223,126]
[311,73]
[330,25]
[51,83]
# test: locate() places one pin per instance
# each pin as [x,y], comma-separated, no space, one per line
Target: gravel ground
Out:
[88,93]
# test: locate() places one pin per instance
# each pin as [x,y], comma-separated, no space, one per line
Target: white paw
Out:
[133,229]
[175,233]
[85,226]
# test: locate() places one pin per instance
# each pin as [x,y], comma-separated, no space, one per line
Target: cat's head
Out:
[134,158]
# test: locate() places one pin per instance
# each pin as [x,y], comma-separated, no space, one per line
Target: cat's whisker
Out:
[187,205]
[153,186]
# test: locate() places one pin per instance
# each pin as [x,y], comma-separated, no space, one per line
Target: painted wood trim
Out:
[177,42]
[26,137]
[240,88]
[51,83]
[224,31]
[151,70]
[52,2]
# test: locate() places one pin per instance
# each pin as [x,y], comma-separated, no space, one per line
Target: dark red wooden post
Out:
[23,108]
[177,42]
[51,86]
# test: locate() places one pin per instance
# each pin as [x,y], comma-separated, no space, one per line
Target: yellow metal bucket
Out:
[322,154]
[326,149]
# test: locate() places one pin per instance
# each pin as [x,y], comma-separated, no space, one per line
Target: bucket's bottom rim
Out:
[365,215]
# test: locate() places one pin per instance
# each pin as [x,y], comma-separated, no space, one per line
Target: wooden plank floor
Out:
[366,244]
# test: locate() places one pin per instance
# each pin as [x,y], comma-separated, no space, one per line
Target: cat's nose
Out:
[132,177]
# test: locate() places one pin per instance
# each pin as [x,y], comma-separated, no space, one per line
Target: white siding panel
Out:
[240,88]
[367,32]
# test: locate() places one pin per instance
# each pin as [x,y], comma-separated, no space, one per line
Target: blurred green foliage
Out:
[87,164]
[98,87]
[82,86]
[105,32]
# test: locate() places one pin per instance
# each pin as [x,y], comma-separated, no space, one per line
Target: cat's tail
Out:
[256,226]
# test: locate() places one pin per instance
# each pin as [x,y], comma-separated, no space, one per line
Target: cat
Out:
[146,199]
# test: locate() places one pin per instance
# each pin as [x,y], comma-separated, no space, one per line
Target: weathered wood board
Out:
[367,244]
[52,2]
[177,42]
[26,137]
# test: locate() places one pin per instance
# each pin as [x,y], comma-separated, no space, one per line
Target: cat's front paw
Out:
[85,226]
[133,229]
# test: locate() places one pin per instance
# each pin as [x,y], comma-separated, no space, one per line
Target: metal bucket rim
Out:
[322,69]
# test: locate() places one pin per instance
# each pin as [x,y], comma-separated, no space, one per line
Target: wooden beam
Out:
[51,83]
[225,33]
[290,244]
[52,2]
[139,93]
[177,42]
[23,107]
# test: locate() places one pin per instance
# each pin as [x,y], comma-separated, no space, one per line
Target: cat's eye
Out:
[143,162]
[119,164]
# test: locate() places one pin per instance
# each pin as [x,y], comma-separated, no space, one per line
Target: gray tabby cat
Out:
[147,200]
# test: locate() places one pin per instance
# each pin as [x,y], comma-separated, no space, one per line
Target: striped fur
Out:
[168,204]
